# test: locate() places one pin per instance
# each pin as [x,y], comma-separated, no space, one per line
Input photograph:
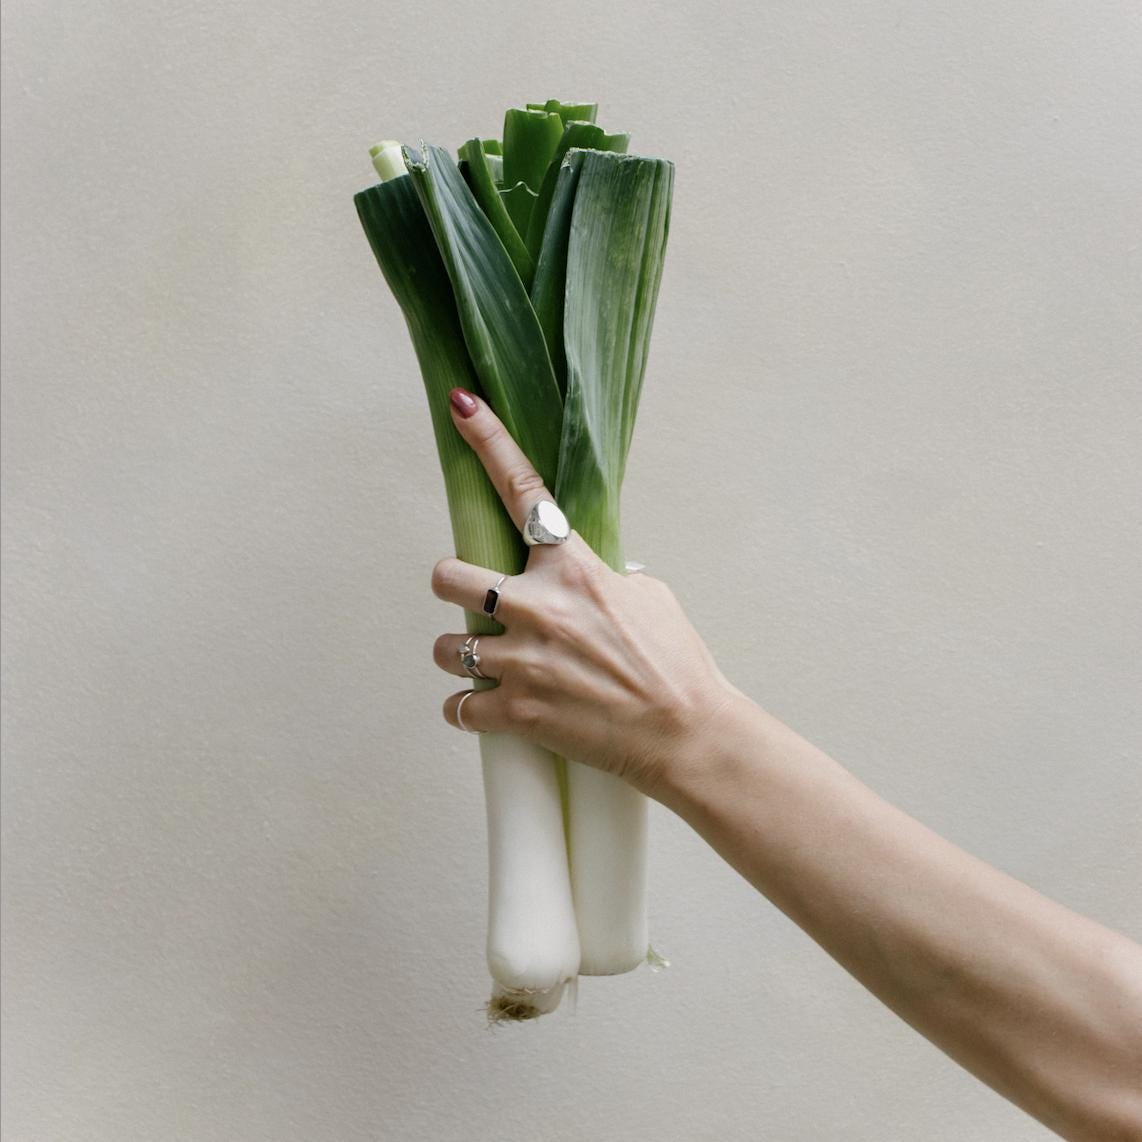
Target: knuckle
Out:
[523,480]
[582,569]
[522,710]
[572,571]
[560,627]
[588,577]
[532,673]
[482,430]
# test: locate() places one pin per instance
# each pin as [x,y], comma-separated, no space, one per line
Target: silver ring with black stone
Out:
[492,598]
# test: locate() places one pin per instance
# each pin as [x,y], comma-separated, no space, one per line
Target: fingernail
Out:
[463,402]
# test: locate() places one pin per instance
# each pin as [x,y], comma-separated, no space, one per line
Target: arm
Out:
[1042,1004]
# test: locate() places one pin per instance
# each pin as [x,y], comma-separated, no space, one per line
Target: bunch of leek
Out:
[528,272]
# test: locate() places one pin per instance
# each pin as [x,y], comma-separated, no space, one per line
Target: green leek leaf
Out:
[615,251]
[401,239]
[479,179]
[585,135]
[501,331]
[584,112]
[519,201]
[549,287]
[530,139]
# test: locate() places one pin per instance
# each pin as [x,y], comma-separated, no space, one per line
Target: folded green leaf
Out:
[585,135]
[479,178]
[501,331]
[615,251]
[530,140]
[401,239]
[519,201]
[549,287]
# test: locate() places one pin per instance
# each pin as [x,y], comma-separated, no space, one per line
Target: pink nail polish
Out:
[463,402]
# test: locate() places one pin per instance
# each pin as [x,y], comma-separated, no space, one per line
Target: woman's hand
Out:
[599,667]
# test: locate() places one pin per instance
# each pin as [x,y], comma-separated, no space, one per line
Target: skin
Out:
[1042,1004]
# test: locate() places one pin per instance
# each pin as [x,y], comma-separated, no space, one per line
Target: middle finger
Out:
[469,586]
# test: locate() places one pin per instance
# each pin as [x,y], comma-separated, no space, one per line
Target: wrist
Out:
[723,741]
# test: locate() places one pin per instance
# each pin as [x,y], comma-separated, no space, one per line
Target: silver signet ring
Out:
[545,523]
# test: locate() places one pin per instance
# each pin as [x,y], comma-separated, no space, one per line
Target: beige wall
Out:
[889,458]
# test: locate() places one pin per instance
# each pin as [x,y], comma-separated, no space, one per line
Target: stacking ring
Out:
[470,657]
[460,717]
[492,598]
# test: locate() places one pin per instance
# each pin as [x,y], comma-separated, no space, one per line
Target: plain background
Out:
[888,458]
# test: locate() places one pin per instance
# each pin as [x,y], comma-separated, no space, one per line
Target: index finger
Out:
[520,486]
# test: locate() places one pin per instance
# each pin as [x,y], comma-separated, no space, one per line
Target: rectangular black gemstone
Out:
[490,600]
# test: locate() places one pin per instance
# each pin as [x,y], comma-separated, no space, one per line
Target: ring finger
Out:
[484,653]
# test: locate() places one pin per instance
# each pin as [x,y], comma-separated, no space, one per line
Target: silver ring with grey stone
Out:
[470,657]
[545,523]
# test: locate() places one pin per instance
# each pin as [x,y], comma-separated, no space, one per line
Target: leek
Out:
[533,946]
[528,271]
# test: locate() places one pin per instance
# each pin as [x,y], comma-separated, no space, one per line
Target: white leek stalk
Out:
[608,870]
[533,942]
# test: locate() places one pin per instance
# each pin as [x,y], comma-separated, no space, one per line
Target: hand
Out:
[599,667]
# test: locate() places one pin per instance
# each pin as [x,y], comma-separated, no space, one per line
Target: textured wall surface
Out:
[889,458]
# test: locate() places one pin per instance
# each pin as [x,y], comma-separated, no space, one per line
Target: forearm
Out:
[1042,1004]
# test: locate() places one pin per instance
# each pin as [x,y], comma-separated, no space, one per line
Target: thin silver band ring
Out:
[459,717]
